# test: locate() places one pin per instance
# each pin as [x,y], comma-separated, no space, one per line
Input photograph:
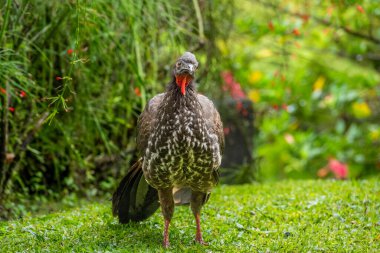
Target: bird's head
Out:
[184,70]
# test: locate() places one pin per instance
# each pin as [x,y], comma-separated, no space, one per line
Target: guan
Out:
[180,142]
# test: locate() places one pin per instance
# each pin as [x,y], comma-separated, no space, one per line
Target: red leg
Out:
[166,242]
[167,208]
[197,200]
[198,234]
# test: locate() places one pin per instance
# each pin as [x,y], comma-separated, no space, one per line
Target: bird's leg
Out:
[197,201]
[167,208]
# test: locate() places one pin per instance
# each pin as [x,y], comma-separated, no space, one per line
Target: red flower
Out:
[360,8]
[22,94]
[296,32]
[239,106]
[275,107]
[11,109]
[244,112]
[2,90]
[233,87]
[226,130]
[339,169]
[137,91]
[285,107]
[58,78]
[270,26]
[70,51]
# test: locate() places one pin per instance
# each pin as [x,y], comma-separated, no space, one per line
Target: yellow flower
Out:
[264,53]
[361,109]
[222,46]
[374,134]
[255,76]
[319,83]
[254,95]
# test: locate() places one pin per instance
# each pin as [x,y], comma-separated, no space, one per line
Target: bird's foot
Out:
[200,241]
[198,234]
[166,244]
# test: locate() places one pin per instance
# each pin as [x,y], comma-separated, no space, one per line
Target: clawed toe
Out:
[201,242]
[166,244]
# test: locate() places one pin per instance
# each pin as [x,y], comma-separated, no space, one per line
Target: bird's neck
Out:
[175,102]
[174,90]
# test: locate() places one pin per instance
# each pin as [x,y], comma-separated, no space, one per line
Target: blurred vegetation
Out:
[312,70]
[74,76]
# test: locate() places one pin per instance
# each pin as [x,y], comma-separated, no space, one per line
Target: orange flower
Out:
[70,51]
[360,8]
[296,32]
[305,18]
[330,10]
[270,26]
[323,172]
[137,91]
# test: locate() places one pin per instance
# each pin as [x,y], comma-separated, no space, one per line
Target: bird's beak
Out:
[188,68]
[185,75]
[191,68]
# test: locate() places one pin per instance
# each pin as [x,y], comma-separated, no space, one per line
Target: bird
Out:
[180,142]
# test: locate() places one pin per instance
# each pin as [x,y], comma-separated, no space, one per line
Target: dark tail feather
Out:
[134,199]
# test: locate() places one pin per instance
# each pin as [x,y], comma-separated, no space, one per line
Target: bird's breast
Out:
[181,149]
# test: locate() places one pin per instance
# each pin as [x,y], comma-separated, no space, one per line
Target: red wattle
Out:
[183,86]
[182,81]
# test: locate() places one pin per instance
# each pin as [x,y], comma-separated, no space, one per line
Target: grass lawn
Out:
[290,216]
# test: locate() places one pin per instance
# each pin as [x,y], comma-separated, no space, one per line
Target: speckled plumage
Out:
[181,139]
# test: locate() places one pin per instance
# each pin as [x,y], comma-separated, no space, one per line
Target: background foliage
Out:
[74,75]
[312,70]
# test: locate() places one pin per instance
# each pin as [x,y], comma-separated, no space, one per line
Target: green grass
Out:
[290,216]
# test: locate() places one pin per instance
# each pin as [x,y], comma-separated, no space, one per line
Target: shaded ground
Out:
[293,216]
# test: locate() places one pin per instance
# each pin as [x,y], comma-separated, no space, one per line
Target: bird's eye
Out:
[178,64]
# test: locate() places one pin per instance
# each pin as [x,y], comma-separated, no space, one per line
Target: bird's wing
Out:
[146,122]
[212,118]
[214,124]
